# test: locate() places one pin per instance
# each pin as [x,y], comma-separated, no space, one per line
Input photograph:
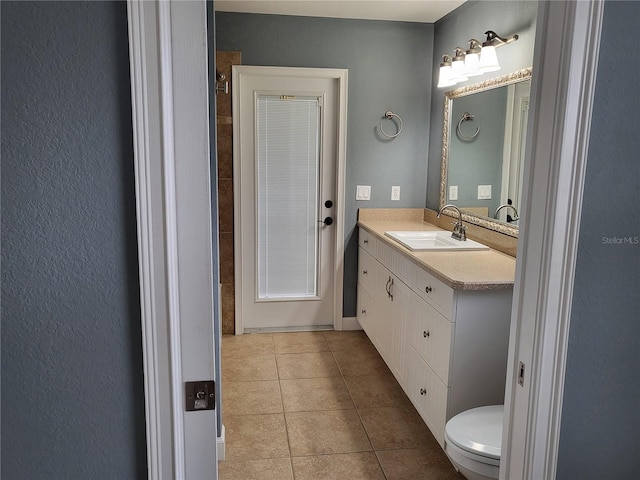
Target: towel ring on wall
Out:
[390,116]
[466,116]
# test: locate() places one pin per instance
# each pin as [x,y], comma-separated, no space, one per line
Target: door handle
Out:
[327,221]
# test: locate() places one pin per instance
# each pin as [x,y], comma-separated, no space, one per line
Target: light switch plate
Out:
[484,192]
[363,192]
[395,193]
[453,192]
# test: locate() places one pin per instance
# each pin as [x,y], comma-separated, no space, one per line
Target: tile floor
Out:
[320,406]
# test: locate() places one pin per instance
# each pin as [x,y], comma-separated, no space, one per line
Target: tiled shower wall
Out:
[224,61]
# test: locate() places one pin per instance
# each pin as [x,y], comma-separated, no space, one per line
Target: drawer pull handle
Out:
[428,289]
[423,391]
[366,242]
[426,334]
[364,272]
[364,312]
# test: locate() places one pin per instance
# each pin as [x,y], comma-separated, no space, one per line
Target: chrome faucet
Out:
[459,230]
[507,205]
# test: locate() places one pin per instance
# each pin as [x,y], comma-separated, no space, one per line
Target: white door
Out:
[285,169]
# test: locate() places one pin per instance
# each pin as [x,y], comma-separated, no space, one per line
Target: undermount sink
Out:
[433,240]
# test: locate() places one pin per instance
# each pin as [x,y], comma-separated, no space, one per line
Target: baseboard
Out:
[220,444]
[350,323]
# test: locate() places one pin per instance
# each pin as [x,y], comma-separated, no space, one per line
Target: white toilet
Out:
[473,440]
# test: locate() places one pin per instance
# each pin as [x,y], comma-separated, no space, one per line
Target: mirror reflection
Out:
[484,136]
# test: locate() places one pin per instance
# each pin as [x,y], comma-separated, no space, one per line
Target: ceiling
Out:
[424,11]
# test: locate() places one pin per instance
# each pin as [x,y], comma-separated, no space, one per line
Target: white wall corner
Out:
[350,323]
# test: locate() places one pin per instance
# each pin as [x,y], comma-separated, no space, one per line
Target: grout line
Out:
[284,416]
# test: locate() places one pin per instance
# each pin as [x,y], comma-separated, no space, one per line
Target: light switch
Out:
[363,192]
[453,192]
[395,193]
[484,192]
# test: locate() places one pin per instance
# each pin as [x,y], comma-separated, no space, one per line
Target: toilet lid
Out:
[478,430]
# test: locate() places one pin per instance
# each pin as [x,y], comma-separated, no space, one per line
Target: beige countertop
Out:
[461,270]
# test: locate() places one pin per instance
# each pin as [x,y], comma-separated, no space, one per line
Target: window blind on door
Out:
[288,166]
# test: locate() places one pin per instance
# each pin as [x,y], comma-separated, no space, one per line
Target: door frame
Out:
[566,23]
[169,96]
[562,92]
[341,76]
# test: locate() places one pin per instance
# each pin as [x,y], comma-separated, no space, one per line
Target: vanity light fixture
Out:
[475,61]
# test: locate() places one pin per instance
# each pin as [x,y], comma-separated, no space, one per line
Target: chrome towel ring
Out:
[390,116]
[466,116]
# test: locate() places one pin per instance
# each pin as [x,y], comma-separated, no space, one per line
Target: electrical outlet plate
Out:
[363,192]
[484,192]
[395,193]
[453,192]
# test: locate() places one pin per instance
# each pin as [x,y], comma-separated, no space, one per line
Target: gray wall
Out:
[600,430]
[471,20]
[72,386]
[389,69]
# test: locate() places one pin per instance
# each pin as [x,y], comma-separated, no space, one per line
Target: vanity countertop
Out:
[461,270]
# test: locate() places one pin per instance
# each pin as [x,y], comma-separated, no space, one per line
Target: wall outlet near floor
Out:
[363,192]
[453,192]
[395,193]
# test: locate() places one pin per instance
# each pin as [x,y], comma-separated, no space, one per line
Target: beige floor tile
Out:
[325,432]
[256,436]
[247,398]
[300,342]
[360,363]
[309,394]
[417,464]
[376,391]
[249,369]
[391,428]
[352,341]
[265,469]
[247,345]
[307,365]
[345,466]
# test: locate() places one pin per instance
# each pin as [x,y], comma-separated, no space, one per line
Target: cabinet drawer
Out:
[430,335]
[367,269]
[428,394]
[433,291]
[365,313]
[367,241]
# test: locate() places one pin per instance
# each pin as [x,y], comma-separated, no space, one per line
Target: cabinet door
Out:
[393,327]
[430,335]
[428,394]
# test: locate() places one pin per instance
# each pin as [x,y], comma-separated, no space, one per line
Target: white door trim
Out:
[341,76]
[565,64]
[167,46]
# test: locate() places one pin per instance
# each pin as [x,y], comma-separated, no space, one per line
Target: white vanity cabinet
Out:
[381,313]
[447,348]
